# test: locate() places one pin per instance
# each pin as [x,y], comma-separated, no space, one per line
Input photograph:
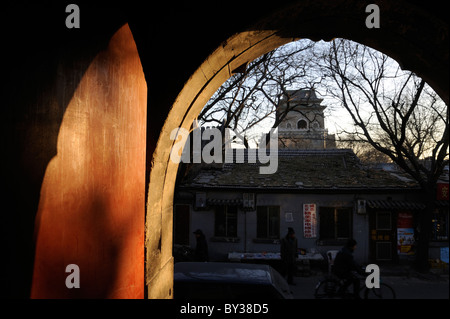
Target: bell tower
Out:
[303,124]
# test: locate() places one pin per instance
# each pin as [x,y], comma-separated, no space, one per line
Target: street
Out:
[405,287]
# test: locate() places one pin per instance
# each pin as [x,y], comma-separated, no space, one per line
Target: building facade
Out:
[326,196]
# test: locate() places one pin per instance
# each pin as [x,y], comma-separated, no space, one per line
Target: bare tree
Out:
[252,95]
[394,111]
[363,150]
[397,114]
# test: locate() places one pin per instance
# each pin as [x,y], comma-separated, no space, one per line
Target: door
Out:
[91,209]
[382,236]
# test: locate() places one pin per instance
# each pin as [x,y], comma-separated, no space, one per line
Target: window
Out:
[335,223]
[302,125]
[268,222]
[440,226]
[315,125]
[288,126]
[225,222]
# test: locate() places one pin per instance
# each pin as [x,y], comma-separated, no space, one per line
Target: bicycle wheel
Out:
[384,292]
[326,288]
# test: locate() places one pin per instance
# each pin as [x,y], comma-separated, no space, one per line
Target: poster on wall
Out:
[288,217]
[444,254]
[405,233]
[309,220]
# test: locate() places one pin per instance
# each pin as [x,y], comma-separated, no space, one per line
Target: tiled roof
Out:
[299,169]
[302,95]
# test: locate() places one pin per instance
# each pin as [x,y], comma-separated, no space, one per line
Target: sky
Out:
[336,117]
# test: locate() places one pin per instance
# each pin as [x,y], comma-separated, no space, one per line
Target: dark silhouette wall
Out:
[69,172]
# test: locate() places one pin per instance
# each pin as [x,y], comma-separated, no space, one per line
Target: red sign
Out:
[405,220]
[309,220]
[442,191]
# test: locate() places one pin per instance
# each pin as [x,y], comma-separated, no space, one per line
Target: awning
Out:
[395,204]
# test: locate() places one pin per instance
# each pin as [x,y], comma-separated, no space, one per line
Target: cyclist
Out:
[344,267]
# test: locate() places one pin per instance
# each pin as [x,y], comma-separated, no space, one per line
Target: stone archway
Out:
[311,19]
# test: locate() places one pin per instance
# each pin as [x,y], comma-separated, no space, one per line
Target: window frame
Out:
[225,209]
[335,211]
[268,236]
[435,234]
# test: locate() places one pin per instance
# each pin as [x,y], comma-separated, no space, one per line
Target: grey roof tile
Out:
[300,169]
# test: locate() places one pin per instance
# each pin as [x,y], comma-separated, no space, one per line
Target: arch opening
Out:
[238,50]
[302,125]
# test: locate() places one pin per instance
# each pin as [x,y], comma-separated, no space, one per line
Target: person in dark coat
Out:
[201,250]
[289,254]
[344,267]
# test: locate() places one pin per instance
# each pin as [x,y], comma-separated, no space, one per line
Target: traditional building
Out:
[303,122]
[325,194]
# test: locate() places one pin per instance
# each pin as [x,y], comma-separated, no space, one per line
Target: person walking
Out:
[289,254]
[201,250]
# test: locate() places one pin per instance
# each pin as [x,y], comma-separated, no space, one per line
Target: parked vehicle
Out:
[221,280]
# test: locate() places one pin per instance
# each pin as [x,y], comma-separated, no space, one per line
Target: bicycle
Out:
[333,287]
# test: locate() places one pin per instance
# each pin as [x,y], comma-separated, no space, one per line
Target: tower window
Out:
[302,125]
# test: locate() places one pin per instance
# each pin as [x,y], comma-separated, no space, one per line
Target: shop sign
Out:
[442,191]
[309,220]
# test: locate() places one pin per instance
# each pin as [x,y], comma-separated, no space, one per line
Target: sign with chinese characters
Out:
[442,191]
[309,220]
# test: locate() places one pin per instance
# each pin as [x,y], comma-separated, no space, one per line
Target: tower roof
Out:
[302,96]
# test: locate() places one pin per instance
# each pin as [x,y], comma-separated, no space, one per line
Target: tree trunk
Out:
[424,228]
